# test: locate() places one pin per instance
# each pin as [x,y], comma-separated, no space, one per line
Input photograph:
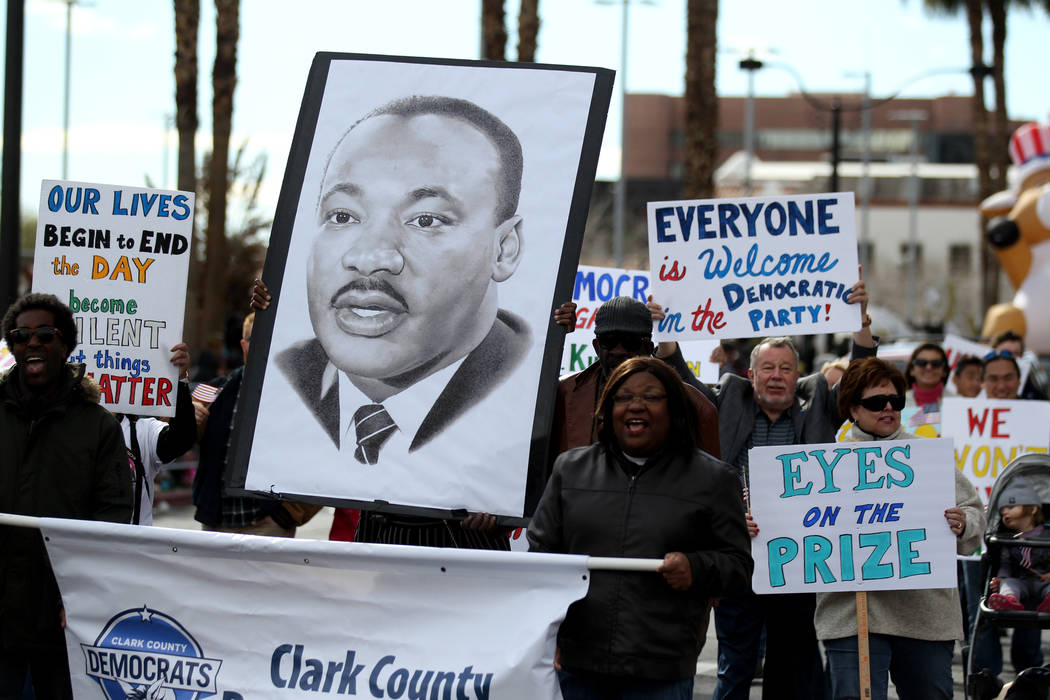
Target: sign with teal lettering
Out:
[755,266]
[859,516]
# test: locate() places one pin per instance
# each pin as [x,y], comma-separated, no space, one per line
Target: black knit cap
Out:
[624,315]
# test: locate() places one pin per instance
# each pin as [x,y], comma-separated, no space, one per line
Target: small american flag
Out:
[205,393]
[1026,557]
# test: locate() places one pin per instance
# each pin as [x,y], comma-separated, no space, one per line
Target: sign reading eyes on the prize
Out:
[119,258]
[596,285]
[756,266]
[852,516]
[990,433]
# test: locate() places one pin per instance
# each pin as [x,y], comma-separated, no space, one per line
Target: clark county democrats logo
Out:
[143,654]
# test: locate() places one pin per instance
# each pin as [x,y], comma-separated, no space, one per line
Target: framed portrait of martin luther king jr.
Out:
[429,222]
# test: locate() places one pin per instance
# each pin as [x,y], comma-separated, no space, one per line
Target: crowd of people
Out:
[644,461]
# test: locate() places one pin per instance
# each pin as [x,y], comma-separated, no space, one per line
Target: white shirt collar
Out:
[408,408]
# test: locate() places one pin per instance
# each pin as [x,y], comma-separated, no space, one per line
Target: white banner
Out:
[861,516]
[119,257]
[183,614]
[756,266]
[990,433]
[597,285]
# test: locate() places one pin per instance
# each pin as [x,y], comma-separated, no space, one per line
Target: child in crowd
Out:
[1023,579]
[967,377]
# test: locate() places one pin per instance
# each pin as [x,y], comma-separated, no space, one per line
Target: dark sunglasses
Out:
[630,343]
[878,402]
[997,354]
[936,364]
[21,336]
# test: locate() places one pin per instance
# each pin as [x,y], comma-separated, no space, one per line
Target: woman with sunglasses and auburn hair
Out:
[644,491]
[926,373]
[912,633]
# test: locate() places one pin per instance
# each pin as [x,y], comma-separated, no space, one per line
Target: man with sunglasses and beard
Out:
[64,457]
[623,328]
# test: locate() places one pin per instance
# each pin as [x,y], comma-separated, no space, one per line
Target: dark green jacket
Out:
[62,459]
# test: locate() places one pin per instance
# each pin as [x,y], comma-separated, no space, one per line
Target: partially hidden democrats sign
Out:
[187,614]
[852,516]
[119,257]
[597,285]
[990,433]
[757,266]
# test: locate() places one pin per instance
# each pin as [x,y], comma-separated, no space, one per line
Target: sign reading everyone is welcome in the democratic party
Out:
[852,516]
[752,267]
[119,257]
[596,285]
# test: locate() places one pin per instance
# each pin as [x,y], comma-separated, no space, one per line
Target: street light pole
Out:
[65,92]
[915,116]
[620,195]
[749,64]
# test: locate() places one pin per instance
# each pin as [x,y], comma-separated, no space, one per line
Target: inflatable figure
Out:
[1018,229]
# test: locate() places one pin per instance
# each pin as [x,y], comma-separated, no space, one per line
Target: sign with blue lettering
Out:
[859,516]
[753,267]
[119,258]
[596,285]
[304,618]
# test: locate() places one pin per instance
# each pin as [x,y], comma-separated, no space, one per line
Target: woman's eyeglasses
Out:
[878,402]
[923,363]
[647,399]
[999,354]
[21,336]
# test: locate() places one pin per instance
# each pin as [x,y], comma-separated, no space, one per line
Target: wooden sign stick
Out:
[863,653]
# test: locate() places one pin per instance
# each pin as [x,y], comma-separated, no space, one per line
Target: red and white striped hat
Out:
[1030,149]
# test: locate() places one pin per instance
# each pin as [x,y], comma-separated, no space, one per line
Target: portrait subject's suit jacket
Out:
[483,369]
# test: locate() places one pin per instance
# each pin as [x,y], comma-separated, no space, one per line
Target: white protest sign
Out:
[119,257]
[990,433]
[596,285]
[187,614]
[7,360]
[756,266]
[858,516]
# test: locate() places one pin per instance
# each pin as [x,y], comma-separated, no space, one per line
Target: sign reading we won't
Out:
[852,516]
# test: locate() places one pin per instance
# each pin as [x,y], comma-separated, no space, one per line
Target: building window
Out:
[959,262]
[906,253]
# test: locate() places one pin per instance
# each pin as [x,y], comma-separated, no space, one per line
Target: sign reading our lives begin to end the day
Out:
[756,266]
[119,257]
[852,516]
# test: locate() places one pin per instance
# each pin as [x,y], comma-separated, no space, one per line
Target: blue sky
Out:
[123,52]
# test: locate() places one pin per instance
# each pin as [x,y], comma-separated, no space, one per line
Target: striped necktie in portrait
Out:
[374,427]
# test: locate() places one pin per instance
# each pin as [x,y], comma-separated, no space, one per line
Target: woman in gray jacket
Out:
[912,633]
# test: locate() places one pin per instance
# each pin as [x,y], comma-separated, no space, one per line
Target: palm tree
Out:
[528,29]
[187,20]
[701,100]
[493,30]
[224,80]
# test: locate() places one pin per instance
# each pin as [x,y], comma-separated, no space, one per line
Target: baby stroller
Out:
[1035,469]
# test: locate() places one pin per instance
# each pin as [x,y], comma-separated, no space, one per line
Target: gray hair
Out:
[778,342]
